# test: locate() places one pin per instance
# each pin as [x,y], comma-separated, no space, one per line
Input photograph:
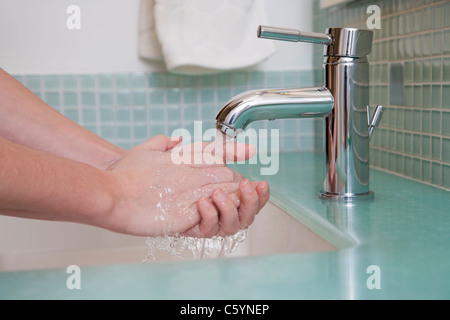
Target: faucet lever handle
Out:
[374,121]
[293,35]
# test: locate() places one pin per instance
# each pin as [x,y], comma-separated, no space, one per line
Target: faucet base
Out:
[346,197]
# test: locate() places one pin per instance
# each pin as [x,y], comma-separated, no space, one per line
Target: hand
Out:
[155,196]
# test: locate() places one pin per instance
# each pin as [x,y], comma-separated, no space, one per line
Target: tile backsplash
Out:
[413,139]
[126,109]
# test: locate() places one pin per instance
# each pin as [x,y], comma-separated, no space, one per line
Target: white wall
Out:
[34,37]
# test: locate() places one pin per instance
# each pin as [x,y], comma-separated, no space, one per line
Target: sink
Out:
[60,244]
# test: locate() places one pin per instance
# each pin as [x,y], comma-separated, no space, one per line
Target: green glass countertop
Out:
[404,232]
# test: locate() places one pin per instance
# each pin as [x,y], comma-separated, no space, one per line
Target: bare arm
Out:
[40,185]
[27,120]
[139,195]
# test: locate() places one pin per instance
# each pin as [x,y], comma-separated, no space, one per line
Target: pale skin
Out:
[51,168]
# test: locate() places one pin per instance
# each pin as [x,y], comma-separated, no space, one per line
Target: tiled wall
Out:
[126,109]
[413,139]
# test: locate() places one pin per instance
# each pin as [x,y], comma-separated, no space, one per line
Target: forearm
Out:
[29,121]
[39,185]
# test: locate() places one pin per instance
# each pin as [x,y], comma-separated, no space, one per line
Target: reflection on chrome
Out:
[342,101]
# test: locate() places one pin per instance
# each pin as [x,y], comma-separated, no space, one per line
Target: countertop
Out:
[400,242]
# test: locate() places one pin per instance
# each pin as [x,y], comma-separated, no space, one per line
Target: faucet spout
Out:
[343,102]
[255,105]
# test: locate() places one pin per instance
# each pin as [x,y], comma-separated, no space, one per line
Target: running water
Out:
[194,248]
[184,247]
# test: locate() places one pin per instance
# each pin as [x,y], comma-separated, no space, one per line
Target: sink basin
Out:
[59,244]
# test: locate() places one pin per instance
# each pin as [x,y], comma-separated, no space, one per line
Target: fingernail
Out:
[220,195]
[247,186]
[205,202]
[264,189]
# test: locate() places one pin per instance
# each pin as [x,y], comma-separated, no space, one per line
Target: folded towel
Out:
[207,36]
[148,43]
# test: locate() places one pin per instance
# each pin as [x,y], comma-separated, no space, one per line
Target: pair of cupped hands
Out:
[159,196]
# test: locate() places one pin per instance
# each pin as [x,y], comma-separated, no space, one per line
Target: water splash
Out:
[190,248]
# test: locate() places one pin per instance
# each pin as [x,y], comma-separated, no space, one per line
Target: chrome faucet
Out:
[342,101]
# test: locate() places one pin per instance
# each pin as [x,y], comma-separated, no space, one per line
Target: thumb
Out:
[162,143]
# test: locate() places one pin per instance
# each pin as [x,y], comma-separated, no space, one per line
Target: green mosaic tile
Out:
[436,92]
[173,113]
[426,171]
[52,99]
[88,99]
[140,132]
[426,146]
[123,114]
[436,70]
[107,131]
[122,81]
[123,98]
[207,95]
[436,148]
[139,98]
[437,43]
[446,69]
[33,82]
[436,122]
[426,121]
[123,132]
[157,114]
[88,116]
[71,113]
[436,173]
[70,99]
[106,99]
[446,96]
[156,97]
[106,115]
[51,82]
[446,14]
[156,80]
[417,169]
[446,46]
[445,123]
[105,81]
[138,81]
[87,81]
[446,176]
[139,114]
[446,150]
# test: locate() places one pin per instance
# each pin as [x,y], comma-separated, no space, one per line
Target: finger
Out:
[191,196]
[228,213]
[174,141]
[234,151]
[210,175]
[209,223]
[263,192]
[216,153]
[160,143]
[249,203]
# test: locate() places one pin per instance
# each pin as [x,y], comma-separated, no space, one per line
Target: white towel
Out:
[148,44]
[205,36]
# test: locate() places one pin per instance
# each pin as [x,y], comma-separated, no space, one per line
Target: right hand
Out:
[154,196]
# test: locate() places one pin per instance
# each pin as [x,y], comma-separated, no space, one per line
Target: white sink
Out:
[30,245]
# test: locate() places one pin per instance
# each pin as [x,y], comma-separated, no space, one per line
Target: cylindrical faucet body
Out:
[346,76]
[346,131]
[343,101]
